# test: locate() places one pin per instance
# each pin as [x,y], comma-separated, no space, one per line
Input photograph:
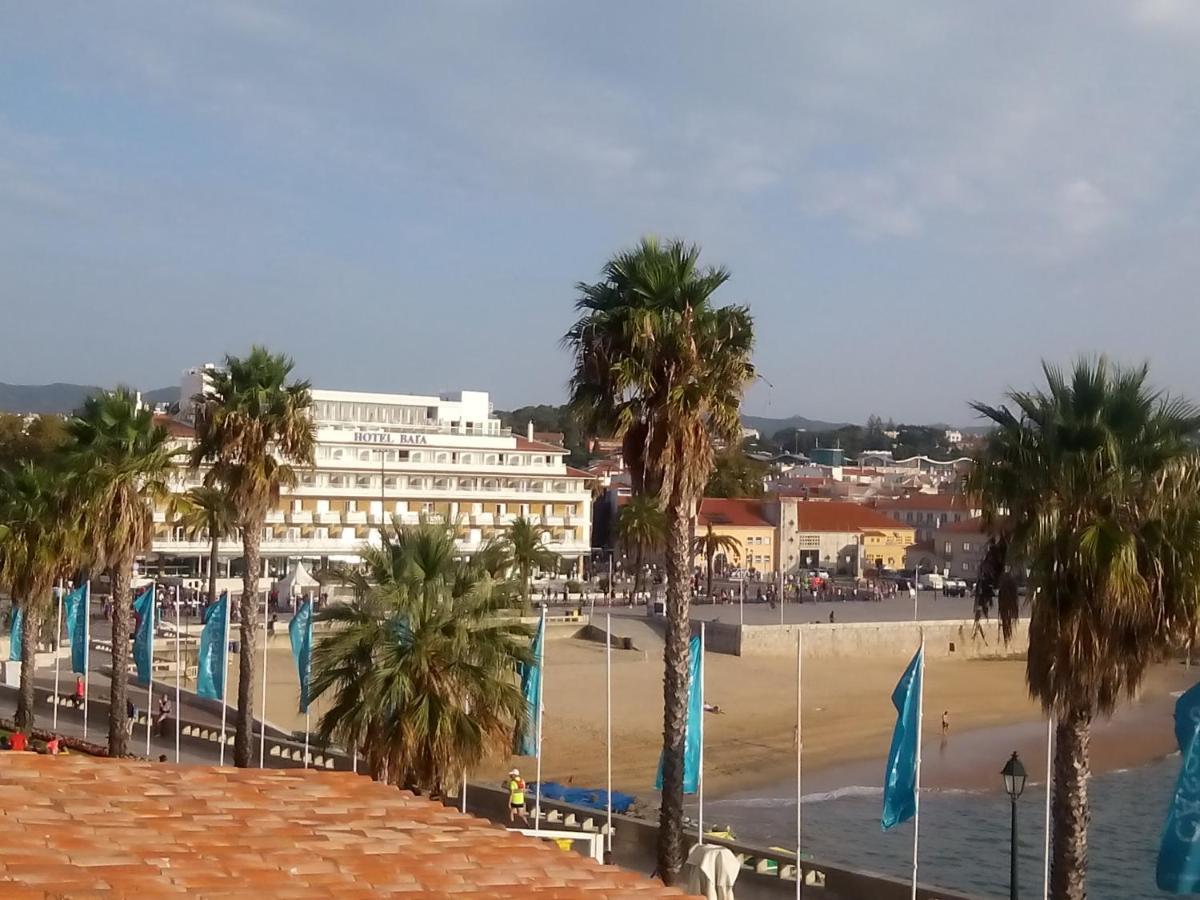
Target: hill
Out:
[63,398]
[767,426]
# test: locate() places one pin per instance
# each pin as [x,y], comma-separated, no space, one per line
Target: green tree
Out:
[736,475]
[37,545]
[253,426]
[35,440]
[419,672]
[207,513]
[657,363]
[123,462]
[710,544]
[642,528]
[525,546]
[1092,484]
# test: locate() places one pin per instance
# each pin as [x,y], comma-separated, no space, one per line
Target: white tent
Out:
[297,581]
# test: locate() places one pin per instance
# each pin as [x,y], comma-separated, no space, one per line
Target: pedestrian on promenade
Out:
[515,785]
[130,716]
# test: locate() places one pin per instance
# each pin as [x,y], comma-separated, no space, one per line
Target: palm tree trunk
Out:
[30,626]
[118,737]
[251,539]
[675,695]
[1071,812]
[213,561]
[637,574]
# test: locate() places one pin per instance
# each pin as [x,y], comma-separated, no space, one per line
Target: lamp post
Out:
[1014,784]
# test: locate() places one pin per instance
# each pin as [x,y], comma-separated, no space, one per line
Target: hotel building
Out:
[401,457]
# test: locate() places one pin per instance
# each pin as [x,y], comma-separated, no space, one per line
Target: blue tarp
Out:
[592,798]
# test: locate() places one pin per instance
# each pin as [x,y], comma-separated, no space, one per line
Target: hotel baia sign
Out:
[388,437]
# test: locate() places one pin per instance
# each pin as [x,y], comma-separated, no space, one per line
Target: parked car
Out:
[954,587]
[931,581]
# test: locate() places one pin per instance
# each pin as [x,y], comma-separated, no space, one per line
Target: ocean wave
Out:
[849,792]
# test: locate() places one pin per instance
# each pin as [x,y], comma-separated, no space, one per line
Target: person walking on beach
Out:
[130,716]
[516,797]
[945,721]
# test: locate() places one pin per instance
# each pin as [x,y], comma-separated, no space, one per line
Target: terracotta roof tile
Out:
[837,516]
[731,511]
[81,827]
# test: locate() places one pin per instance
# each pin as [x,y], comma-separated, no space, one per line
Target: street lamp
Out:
[1014,784]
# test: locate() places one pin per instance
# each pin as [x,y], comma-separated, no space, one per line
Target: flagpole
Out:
[87,649]
[463,795]
[1049,784]
[262,725]
[608,721]
[57,651]
[799,753]
[224,677]
[917,791]
[306,720]
[151,608]
[308,673]
[178,662]
[700,772]
[537,797]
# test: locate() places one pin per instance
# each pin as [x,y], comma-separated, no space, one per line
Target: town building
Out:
[746,521]
[836,535]
[926,513]
[383,458]
[961,547]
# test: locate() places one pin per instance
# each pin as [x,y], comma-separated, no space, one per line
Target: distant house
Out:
[837,535]
[927,512]
[953,436]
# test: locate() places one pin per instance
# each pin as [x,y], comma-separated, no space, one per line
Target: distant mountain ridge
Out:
[62,398]
[767,426]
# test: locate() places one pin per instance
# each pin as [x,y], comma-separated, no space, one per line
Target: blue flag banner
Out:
[75,612]
[691,734]
[900,779]
[214,648]
[1178,869]
[300,631]
[145,610]
[525,741]
[16,634]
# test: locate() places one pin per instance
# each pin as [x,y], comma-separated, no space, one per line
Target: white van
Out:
[931,581]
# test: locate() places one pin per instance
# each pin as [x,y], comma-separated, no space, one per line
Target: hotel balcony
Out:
[329,518]
[355,518]
[485,520]
[300,517]
[274,517]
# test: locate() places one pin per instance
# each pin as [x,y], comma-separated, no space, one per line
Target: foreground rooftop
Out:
[82,827]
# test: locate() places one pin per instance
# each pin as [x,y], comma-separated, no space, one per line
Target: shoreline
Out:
[1139,733]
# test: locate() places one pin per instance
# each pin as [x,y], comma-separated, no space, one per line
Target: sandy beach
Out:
[848,719]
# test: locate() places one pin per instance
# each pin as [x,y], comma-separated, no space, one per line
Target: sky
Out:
[919,202]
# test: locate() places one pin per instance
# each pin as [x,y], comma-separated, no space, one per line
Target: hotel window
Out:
[949,548]
[548,509]
[465,458]
[966,546]
[308,479]
[442,457]
[514,460]
[337,453]
[363,481]
[416,483]
[337,481]
[440,484]
[966,567]
[414,457]
[427,507]
[490,459]
[389,482]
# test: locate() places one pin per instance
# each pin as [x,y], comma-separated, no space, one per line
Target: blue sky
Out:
[918,201]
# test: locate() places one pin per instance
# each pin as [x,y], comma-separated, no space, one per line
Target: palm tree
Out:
[420,670]
[37,544]
[1092,484]
[123,462]
[528,551]
[252,427]
[710,545]
[206,512]
[660,365]
[642,527]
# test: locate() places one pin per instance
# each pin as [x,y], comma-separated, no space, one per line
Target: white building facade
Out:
[383,458]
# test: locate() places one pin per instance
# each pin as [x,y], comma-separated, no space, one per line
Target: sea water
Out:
[965,835]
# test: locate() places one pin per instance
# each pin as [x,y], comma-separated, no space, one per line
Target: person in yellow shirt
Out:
[515,786]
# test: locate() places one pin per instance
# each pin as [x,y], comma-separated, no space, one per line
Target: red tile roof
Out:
[732,511]
[524,443]
[841,516]
[76,826]
[174,427]
[926,502]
